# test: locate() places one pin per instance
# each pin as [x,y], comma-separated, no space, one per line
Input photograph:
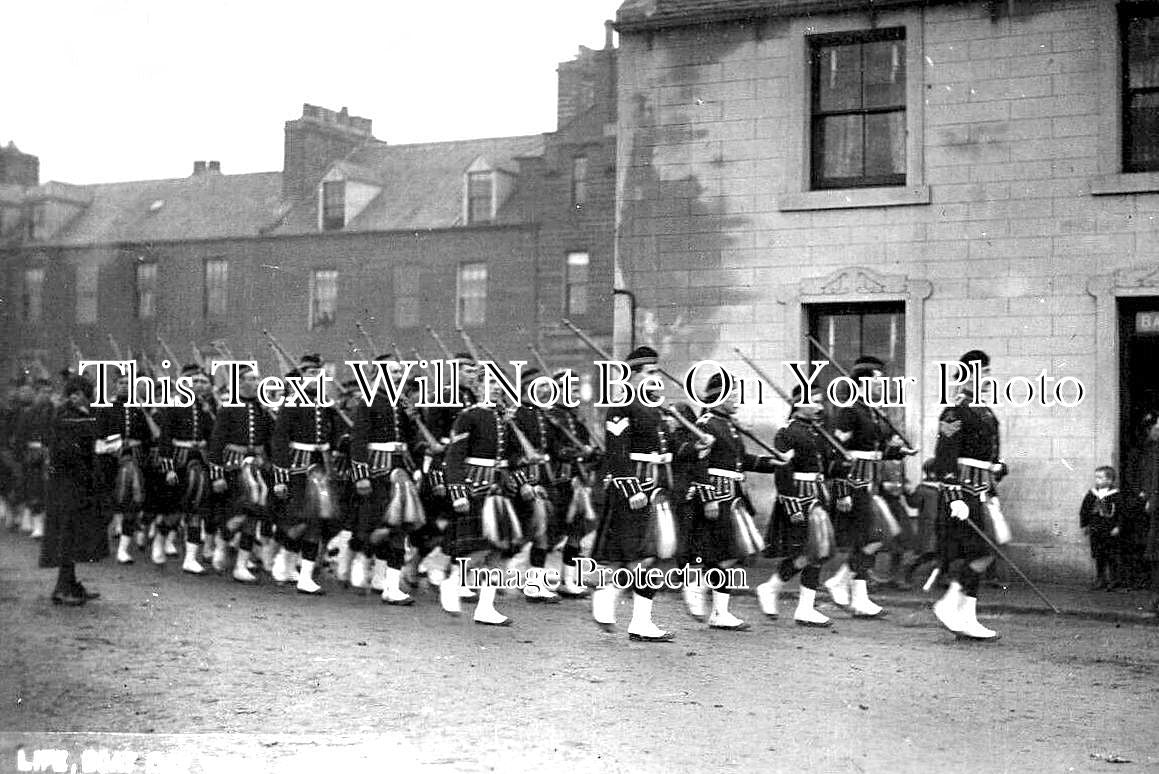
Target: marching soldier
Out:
[800,512]
[485,527]
[967,461]
[637,526]
[570,491]
[721,528]
[185,434]
[381,444]
[123,444]
[532,476]
[429,541]
[31,441]
[869,441]
[303,438]
[342,481]
[239,454]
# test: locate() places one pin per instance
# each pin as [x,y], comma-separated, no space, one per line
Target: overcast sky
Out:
[139,89]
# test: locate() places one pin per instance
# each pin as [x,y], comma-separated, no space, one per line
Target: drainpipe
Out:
[631,313]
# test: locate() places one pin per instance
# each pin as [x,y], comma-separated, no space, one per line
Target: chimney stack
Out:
[215,167]
[315,141]
[608,32]
[198,168]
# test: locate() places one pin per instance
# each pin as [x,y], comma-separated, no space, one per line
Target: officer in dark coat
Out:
[75,529]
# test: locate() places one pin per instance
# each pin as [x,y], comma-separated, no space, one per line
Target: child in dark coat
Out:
[925,498]
[1101,518]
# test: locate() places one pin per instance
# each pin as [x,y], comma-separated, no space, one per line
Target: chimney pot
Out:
[199,167]
[608,32]
[215,166]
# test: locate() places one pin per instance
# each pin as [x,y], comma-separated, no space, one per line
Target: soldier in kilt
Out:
[124,443]
[239,454]
[721,528]
[485,528]
[388,506]
[967,461]
[304,436]
[185,434]
[869,441]
[31,442]
[800,514]
[637,526]
[543,526]
[574,458]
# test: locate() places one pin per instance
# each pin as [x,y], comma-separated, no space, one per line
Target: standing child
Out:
[925,499]
[1100,516]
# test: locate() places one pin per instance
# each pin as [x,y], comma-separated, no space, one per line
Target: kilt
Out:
[784,538]
[465,535]
[859,526]
[959,541]
[711,541]
[624,535]
[369,512]
[561,494]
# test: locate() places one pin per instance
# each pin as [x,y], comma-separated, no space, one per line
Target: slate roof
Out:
[652,14]
[422,184]
[203,206]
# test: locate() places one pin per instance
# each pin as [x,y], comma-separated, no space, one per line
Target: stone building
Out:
[909,180]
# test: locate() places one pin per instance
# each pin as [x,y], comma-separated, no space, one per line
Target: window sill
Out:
[1129,183]
[851,198]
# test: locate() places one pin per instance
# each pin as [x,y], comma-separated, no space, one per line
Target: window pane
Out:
[33,294]
[885,144]
[839,77]
[883,83]
[146,290]
[577,283]
[216,287]
[87,277]
[407,288]
[472,307]
[323,298]
[1143,53]
[849,332]
[579,181]
[333,205]
[841,140]
[478,197]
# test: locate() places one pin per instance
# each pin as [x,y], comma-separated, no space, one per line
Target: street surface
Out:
[177,673]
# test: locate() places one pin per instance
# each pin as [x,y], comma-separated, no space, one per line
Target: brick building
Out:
[502,236]
[908,180]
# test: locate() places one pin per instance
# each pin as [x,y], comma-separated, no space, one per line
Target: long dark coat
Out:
[76,527]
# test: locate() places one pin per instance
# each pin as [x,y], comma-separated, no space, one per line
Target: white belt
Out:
[309,447]
[865,455]
[242,448]
[722,473]
[972,463]
[486,462]
[807,477]
[35,445]
[386,446]
[654,458]
[189,444]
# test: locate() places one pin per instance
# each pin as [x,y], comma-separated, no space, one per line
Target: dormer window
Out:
[333,205]
[480,197]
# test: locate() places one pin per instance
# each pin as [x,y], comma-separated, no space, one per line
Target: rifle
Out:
[374,350]
[559,425]
[817,426]
[439,341]
[281,352]
[689,426]
[169,354]
[877,412]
